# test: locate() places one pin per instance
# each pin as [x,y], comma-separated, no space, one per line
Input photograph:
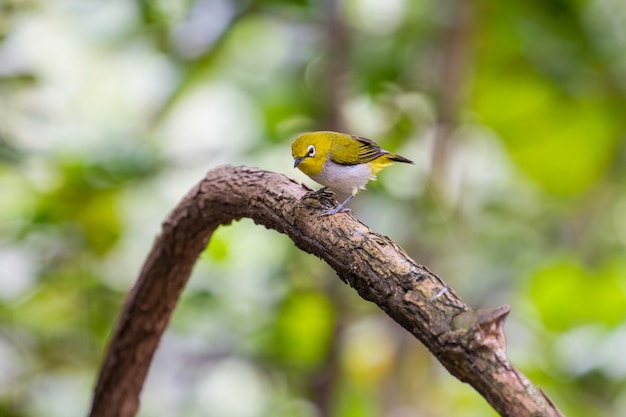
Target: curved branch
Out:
[470,344]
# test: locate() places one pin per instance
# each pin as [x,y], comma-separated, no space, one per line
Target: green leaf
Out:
[562,143]
[568,294]
[304,330]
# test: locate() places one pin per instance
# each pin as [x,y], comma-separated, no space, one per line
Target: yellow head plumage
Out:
[310,151]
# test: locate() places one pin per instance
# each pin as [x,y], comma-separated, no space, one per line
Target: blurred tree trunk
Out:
[337,56]
[453,68]
[470,344]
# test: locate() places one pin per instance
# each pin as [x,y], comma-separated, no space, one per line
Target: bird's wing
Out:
[353,150]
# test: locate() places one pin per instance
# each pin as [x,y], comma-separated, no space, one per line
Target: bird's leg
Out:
[319,191]
[339,209]
[315,193]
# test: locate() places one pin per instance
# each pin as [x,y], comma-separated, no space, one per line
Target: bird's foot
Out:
[338,209]
[341,208]
[316,192]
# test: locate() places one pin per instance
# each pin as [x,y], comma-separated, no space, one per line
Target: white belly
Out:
[344,178]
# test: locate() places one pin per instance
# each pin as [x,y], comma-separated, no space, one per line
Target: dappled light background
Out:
[514,113]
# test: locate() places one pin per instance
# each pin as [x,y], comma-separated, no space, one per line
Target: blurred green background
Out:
[515,113]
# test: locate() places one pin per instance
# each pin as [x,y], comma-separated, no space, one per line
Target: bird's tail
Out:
[398,158]
[385,160]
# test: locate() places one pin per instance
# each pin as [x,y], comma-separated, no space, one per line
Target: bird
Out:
[340,161]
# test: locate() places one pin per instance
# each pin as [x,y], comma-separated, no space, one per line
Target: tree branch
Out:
[470,344]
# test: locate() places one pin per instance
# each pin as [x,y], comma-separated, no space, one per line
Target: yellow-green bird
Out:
[342,162]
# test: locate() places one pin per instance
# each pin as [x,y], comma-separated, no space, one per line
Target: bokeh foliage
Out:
[513,111]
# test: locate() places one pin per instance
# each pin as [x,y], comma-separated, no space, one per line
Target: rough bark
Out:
[470,344]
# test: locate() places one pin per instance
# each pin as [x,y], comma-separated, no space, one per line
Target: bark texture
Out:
[469,343]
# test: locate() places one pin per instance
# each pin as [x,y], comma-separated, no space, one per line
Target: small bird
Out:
[342,162]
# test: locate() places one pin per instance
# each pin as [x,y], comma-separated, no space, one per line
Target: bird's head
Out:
[310,151]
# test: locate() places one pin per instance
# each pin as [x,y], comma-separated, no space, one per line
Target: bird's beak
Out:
[296,161]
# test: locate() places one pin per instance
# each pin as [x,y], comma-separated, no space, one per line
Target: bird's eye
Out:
[311,151]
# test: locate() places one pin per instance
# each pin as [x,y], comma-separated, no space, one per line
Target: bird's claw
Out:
[317,192]
[335,210]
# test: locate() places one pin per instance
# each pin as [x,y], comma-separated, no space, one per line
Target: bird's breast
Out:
[344,178]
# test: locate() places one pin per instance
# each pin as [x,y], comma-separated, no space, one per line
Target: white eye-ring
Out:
[310,151]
